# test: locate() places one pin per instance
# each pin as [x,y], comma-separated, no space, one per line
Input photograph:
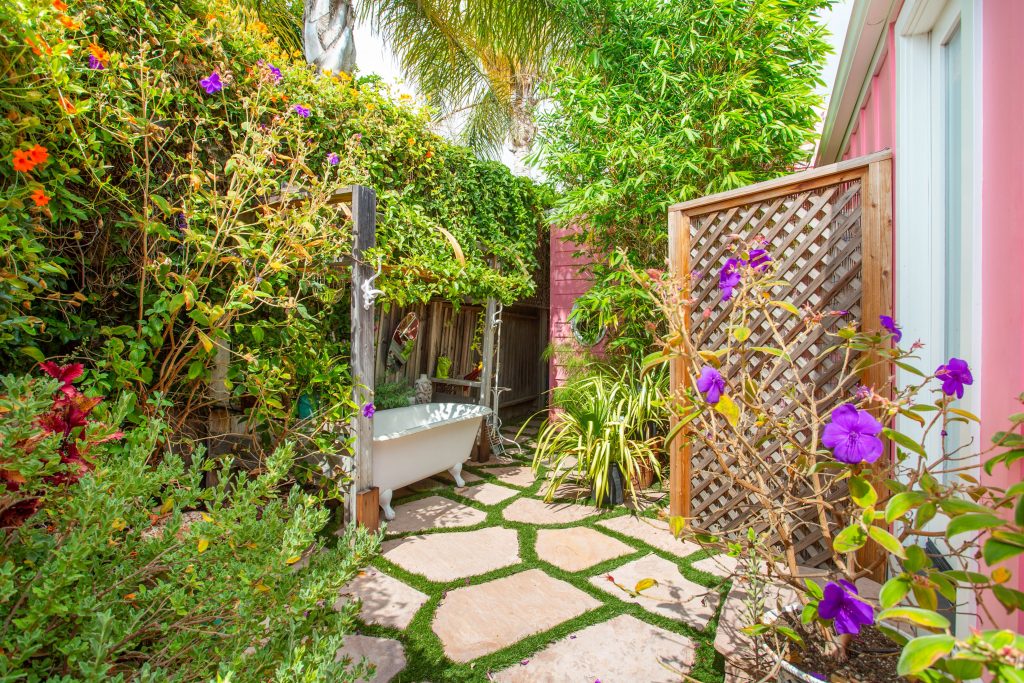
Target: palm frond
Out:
[283,19]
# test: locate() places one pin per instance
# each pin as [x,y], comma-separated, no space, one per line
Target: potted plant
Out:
[873,471]
[598,435]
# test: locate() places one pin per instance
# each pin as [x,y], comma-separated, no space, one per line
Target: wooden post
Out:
[876,300]
[363,499]
[486,375]
[679,453]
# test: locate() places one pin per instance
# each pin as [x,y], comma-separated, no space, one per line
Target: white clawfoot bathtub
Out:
[410,444]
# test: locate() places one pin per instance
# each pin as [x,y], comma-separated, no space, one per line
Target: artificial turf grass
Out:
[425,656]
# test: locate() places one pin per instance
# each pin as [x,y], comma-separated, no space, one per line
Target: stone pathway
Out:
[488,582]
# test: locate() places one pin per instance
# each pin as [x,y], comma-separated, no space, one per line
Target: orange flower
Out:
[67,106]
[38,155]
[40,197]
[22,161]
[99,53]
[60,6]
[430,154]
[69,23]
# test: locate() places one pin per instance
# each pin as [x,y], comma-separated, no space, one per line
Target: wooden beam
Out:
[364,216]
[877,300]
[679,372]
[797,182]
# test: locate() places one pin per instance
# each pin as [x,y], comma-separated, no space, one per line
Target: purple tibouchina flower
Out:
[275,72]
[95,64]
[849,613]
[711,384]
[333,159]
[368,410]
[211,83]
[852,435]
[759,259]
[889,324]
[301,111]
[729,277]
[955,375]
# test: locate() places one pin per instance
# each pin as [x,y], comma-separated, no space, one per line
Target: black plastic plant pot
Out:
[616,494]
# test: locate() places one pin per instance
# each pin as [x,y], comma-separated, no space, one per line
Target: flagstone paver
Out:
[477,620]
[533,511]
[454,555]
[386,601]
[719,565]
[577,548]
[448,480]
[517,475]
[387,655]
[487,493]
[620,650]
[653,532]
[674,596]
[433,512]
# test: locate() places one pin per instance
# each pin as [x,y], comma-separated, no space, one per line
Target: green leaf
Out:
[902,503]
[33,353]
[814,589]
[904,441]
[887,541]
[849,539]
[786,306]
[917,558]
[995,551]
[920,653]
[965,524]
[741,334]
[862,492]
[915,615]
[894,590]
[728,409]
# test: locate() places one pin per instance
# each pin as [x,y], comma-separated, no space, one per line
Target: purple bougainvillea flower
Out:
[955,375]
[368,410]
[211,83]
[95,64]
[333,159]
[841,604]
[852,435]
[889,324]
[711,384]
[729,277]
[275,72]
[759,259]
[301,111]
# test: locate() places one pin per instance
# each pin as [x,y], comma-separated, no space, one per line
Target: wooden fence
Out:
[829,230]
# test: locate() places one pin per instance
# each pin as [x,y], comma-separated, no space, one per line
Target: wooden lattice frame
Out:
[830,231]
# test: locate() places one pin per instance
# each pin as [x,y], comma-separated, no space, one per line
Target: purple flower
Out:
[955,374]
[95,64]
[841,604]
[211,83]
[852,435]
[759,259]
[357,136]
[301,111]
[333,159]
[863,392]
[368,410]
[889,324]
[711,383]
[729,277]
[275,72]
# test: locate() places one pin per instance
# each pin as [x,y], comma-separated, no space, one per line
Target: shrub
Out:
[131,570]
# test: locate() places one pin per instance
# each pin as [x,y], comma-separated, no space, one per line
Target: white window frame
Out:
[922,27]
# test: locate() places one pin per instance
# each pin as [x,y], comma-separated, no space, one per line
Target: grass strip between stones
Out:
[424,653]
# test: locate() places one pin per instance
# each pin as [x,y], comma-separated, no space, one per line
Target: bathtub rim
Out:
[478,413]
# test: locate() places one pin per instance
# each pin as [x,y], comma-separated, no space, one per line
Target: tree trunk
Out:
[327,37]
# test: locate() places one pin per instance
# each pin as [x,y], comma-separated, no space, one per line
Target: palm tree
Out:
[478,62]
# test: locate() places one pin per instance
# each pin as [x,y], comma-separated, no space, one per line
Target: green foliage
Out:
[156,253]
[135,572]
[392,395]
[606,416]
[671,101]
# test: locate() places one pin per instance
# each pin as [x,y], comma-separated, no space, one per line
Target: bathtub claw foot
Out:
[385,504]
[456,473]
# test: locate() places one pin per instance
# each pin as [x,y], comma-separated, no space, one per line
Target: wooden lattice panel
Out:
[820,228]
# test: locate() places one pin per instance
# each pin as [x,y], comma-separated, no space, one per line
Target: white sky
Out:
[374,56]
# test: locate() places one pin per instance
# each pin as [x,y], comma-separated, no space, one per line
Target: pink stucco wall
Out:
[567,284]
[1000,371]
[1002,215]
[876,122]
